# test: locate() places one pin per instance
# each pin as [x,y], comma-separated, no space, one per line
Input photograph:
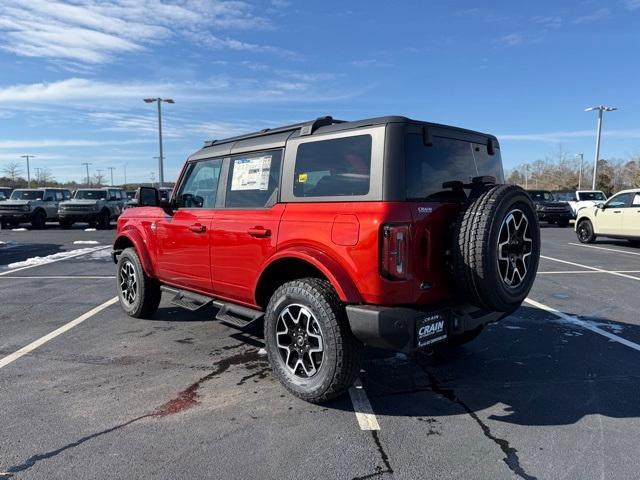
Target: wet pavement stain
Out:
[186,399]
[379,470]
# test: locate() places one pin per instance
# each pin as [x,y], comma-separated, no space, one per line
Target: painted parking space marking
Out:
[60,277]
[595,269]
[559,272]
[583,324]
[59,331]
[53,258]
[362,407]
[605,248]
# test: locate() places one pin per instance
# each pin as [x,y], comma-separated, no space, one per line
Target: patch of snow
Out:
[89,229]
[100,254]
[513,327]
[86,242]
[50,258]
[262,351]
[19,229]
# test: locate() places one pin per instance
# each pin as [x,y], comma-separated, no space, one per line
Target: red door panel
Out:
[242,240]
[184,254]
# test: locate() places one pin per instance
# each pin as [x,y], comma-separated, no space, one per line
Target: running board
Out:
[188,300]
[230,313]
[237,315]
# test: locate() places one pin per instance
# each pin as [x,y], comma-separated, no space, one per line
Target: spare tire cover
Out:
[496,248]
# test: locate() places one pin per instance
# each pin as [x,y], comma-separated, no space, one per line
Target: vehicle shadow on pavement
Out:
[13,252]
[529,370]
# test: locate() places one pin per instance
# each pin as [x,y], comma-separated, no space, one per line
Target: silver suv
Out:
[34,205]
[96,206]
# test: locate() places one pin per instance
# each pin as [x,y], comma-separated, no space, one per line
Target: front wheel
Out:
[39,219]
[104,220]
[563,223]
[310,346]
[585,232]
[139,294]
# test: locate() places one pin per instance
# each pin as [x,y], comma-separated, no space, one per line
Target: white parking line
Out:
[610,272]
[41,341]
[60,277]
[362,407]
[604,248]
[557,272]
[81,251]
[581,323]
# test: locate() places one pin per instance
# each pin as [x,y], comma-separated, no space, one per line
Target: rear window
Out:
[447,159]
[565,196]
[541,196]
[333,168]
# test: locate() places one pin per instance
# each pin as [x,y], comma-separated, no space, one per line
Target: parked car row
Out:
[618,217]
[95,206]
[562,207]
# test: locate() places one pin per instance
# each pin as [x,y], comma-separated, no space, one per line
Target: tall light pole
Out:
[581,155]
[601,109]
[153,179]
[86,164]
[159,101]
[125,175]
[111,169]
[38,170]
[28,172]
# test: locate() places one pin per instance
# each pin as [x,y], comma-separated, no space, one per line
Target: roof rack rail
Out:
[306,128]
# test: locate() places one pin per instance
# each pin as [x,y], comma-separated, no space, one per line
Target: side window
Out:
[253,180]
[636,200]
[48,196]
[200,185]
[620,201]
[337,167]
[113,194]
[59,196]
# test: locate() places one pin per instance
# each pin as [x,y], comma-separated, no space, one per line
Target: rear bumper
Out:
[394,328]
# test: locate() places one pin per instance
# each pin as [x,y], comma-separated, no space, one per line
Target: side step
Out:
[235,315]
[188,300]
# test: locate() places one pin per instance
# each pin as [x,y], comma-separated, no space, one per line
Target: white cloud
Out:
[94,32]
[60,143]
[513,39]
[600,14]
[555,137]
[222,89]
[633,4]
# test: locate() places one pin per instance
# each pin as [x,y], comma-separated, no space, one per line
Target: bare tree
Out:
[44,177]
[99,179]
[12,170]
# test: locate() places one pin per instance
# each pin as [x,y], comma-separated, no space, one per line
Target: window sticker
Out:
[251,173]
[302,177]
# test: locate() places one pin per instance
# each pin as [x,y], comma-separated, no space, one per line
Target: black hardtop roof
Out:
[274,137]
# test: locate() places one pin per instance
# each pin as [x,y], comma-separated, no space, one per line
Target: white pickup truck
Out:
[581,199]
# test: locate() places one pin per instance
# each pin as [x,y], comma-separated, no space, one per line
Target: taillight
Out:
[395,251]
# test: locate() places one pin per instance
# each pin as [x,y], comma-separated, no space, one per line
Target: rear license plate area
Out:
[430,329]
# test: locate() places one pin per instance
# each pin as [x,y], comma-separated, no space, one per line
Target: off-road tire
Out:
[475,248]
[342,351]
[584,231]
[39,219]
[148,293]
[563,223]
[634,242]
[65,224]
[104,220]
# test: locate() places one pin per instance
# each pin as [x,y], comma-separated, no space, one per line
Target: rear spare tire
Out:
[496,248]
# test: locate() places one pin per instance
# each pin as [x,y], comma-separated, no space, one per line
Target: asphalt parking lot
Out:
[550,392]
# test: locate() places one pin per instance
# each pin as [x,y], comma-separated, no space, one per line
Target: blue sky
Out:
[73,74]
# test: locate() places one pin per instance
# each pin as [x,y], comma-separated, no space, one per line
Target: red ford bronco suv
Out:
[387,232]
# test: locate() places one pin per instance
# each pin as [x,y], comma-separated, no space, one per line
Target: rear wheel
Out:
[39,219]
[139,294]
[635,242]
[496,248]
[585,232]
[65,224]
[309,344]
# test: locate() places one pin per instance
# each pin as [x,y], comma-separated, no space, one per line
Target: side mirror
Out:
[148,197]
[601,206]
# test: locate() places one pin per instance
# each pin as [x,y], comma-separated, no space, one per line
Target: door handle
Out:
[259,232]
[198,228]
[617,211]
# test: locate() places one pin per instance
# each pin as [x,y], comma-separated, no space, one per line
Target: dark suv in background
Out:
[387,232]
[549,209]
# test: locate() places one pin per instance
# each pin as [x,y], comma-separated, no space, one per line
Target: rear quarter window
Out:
[447,159]
[331,168]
